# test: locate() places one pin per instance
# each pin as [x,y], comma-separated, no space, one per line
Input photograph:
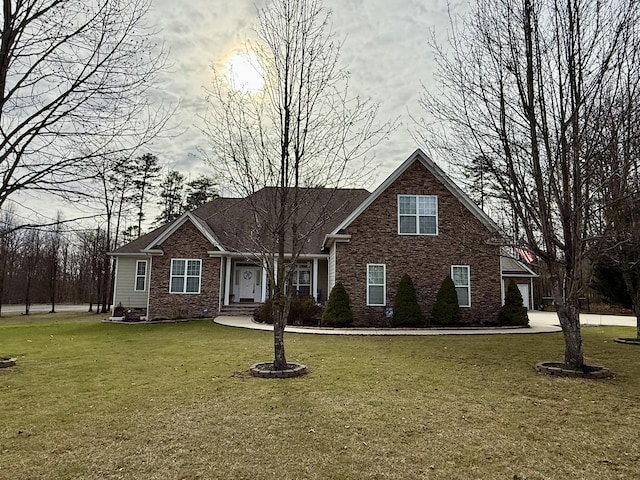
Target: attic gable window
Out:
[185,275]
[417,214]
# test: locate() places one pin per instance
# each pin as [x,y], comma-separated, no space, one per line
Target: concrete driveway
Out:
[540,322]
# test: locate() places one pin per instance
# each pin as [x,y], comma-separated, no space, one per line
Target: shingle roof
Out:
[234,221]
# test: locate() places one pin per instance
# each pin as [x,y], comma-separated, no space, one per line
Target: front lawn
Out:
[91,400]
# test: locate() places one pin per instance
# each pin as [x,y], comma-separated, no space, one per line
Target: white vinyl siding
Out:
[331,269]
[376,285]
[417,214]
[185,275]
[462,280]
[125,292]
[141,276]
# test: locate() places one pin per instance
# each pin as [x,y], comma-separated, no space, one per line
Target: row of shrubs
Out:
[406,310]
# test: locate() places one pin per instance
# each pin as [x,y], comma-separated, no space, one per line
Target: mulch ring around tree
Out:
[559,369]
[628,341]
[266,370]
[7,362]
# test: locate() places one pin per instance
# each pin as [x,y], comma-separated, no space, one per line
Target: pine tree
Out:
[446,310]
[171,197]
[406,311]
[146,171]
[200,191]
[338,311]
[513,311]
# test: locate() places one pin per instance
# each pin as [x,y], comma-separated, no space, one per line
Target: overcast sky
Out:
[385,50]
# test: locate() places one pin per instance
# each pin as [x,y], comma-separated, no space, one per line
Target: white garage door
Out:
[524,291]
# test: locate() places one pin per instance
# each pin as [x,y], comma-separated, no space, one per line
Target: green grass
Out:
[91,400]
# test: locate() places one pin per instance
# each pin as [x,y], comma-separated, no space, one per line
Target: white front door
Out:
[524,291]
[248,284]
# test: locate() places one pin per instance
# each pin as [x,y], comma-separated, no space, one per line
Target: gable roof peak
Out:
[201,225]
[438,173]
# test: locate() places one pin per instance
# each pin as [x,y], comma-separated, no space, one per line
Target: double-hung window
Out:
[417,214]
[462,280]
[185,275]
[141,276]
[376,285]
[302,280]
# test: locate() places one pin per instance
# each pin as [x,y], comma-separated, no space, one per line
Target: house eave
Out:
[519,274]
[140,253]
[332,238]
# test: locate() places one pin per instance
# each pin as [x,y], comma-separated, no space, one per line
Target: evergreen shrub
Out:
[338,312]
[303,311]
[513,312]
[406,311]
[446,310]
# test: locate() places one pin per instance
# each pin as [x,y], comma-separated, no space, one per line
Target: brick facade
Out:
[186,242]
[461,240]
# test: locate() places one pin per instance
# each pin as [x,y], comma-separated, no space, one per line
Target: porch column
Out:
[263,296]
[227,281]
[314,285]
[275,270]
[532,302]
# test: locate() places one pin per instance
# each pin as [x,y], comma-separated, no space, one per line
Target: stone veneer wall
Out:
[461,240]
[186,242]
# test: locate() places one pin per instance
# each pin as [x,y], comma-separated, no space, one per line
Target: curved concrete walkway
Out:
[540,322]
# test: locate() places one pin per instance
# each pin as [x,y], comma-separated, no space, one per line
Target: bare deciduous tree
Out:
[75,81]
[618,162]
[521,84]
[302,129]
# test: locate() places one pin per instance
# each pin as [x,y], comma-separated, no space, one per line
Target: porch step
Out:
[239,309]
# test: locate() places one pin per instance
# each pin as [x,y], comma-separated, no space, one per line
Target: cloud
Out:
[385,50]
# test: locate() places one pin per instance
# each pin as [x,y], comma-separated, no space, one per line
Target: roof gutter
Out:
[330,239]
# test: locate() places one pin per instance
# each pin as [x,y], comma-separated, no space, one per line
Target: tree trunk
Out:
[280,309]
[27,298]
[569,316]
[636,311]
[279,322]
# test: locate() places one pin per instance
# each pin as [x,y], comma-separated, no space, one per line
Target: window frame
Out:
[383,284]
[299,269]
[417,215]
[467,286]
[138,276]
[185,276]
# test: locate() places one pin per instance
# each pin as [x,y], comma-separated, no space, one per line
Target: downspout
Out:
[115,287]
[149,288]
[220,287]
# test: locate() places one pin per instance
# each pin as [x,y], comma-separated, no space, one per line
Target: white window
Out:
[302,280]
[376,284]
[462,281]
[417,214]
[185,275]
[141,276]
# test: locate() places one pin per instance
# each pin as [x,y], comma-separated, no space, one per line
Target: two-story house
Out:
[416,222]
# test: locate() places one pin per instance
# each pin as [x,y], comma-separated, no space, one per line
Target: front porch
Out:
[244,280]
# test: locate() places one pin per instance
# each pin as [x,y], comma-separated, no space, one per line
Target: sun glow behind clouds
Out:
[245,73]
